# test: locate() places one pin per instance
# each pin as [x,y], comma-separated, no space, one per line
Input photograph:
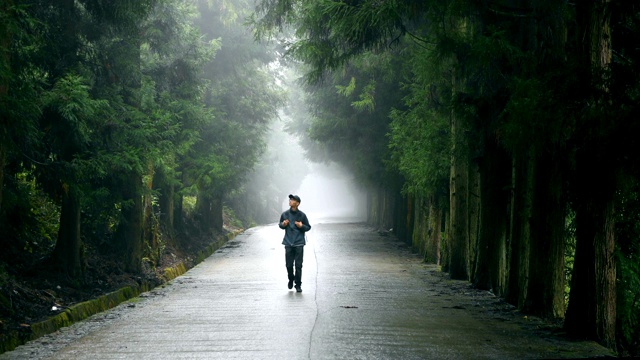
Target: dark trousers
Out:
[293,257]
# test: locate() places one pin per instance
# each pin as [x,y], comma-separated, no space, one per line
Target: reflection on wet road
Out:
[365,296]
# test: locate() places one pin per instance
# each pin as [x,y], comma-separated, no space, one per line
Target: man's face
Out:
[293,203]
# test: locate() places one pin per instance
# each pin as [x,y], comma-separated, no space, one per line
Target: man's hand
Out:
[285,222]
[298,224]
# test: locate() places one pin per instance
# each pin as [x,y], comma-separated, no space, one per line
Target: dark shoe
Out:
[290,284]
[298,289]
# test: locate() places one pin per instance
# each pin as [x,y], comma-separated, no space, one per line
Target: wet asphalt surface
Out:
[365,296]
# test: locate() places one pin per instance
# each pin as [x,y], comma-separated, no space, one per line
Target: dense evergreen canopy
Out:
[498,137]
[125,124]
[515,125]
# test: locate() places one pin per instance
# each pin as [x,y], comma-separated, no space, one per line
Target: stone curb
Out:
[83,310]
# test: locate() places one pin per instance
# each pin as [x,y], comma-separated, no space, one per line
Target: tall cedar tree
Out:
[332,33]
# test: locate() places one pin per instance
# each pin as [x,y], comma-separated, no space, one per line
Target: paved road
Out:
[365,296]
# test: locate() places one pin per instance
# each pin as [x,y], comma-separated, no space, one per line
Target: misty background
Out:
[327,190]
[131,131]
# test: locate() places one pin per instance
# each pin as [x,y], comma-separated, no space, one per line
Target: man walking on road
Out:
[295,225]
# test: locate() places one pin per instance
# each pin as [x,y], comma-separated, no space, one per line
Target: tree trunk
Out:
[179,222]
[204,212]
[149,232]
[475,212]
[432,253]
[390,210]
[458,243]
[444,245]
[419,231]
[372,207]
[166,202]
[5,73]
[545,295]
[490,271]
[520,231]
[378,207]
[217,220]
[407,214]
[592,300]
[381,208]
[178,213]
[67,255]
[129,231]
[3,156]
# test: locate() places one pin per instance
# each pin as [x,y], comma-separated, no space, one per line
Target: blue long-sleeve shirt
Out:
[294,236]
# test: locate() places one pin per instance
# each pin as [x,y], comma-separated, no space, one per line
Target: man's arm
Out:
[284,220]
[305,224]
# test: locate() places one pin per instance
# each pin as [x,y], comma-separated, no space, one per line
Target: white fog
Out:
[329,195]
[328,192]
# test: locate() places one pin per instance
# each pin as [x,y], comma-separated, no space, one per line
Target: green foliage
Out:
[232,218]
[345,119]
[628,265]
[629,301]
[420,144]
[95,94]
[189,204]
[331,33]
[30,222]
[241,98]
[155,251]
[21,82]
[70,112]
[419,136]
[347,90]
[367,100]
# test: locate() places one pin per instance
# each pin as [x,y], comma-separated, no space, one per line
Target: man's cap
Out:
[294,197]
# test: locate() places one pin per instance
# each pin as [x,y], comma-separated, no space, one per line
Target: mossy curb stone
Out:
[83,310]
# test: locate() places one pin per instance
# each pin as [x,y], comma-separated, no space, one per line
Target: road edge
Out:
[80,311]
